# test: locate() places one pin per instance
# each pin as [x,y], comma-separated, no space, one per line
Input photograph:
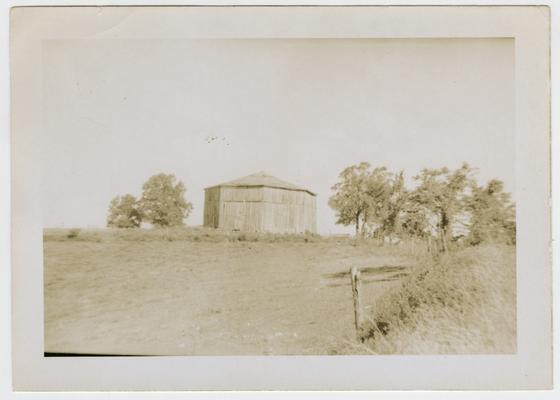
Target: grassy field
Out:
[198,292]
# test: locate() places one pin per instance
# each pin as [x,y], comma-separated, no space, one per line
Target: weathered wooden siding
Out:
[241,194]
[289,211]
[284,196]
[212,207]
[242,216]
[257,209]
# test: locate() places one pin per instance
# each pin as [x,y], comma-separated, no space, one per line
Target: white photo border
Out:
[530,368]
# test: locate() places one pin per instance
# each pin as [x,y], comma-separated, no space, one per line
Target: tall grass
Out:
[464,302]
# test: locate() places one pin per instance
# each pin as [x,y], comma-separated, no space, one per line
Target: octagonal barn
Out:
[260,203]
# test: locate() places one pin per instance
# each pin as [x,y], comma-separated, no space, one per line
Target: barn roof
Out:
[262,179]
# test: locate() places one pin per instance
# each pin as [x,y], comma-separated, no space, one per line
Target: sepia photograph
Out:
[210,190]
[279,197]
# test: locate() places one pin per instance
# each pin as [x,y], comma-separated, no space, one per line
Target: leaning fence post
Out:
[356,295]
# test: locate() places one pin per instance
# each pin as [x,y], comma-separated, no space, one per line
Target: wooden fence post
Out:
[356,295]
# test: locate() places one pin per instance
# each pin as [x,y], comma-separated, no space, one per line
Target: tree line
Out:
[445,206]
[162,204]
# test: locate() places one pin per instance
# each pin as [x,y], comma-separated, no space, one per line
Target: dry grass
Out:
[202,291]
[107,293]
[463,303]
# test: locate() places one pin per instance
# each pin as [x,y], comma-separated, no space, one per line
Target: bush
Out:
[73,233]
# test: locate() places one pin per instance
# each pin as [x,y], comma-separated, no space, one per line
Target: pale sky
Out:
[118,111]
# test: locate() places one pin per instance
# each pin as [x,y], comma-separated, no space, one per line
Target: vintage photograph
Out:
[278,196]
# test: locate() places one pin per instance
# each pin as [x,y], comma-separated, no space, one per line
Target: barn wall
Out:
[242,216]
[289,211]
[257,209]
[211,207]
[241,209]
[241,194]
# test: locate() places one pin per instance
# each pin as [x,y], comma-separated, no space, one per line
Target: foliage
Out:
[360,195]
[73,233]
[124,212]
[390,215]
[441,193]
[446,206]
[162,202]
[492,214]
[414,220]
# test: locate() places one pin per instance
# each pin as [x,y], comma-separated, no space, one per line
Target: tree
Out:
[163,203]
[391,211]
[492,214]
[124,212]
[441,193]
[378,196]
[414,220]
[359,195]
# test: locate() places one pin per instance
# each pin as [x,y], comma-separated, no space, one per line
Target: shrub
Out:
[73,233]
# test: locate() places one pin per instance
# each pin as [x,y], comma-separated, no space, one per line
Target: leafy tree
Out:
[163,202]
[360,195]
[441,193]
[414,221]
[349,201]
[492,214]
[445,205]
[379,196]
[391,212]
[124,212]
